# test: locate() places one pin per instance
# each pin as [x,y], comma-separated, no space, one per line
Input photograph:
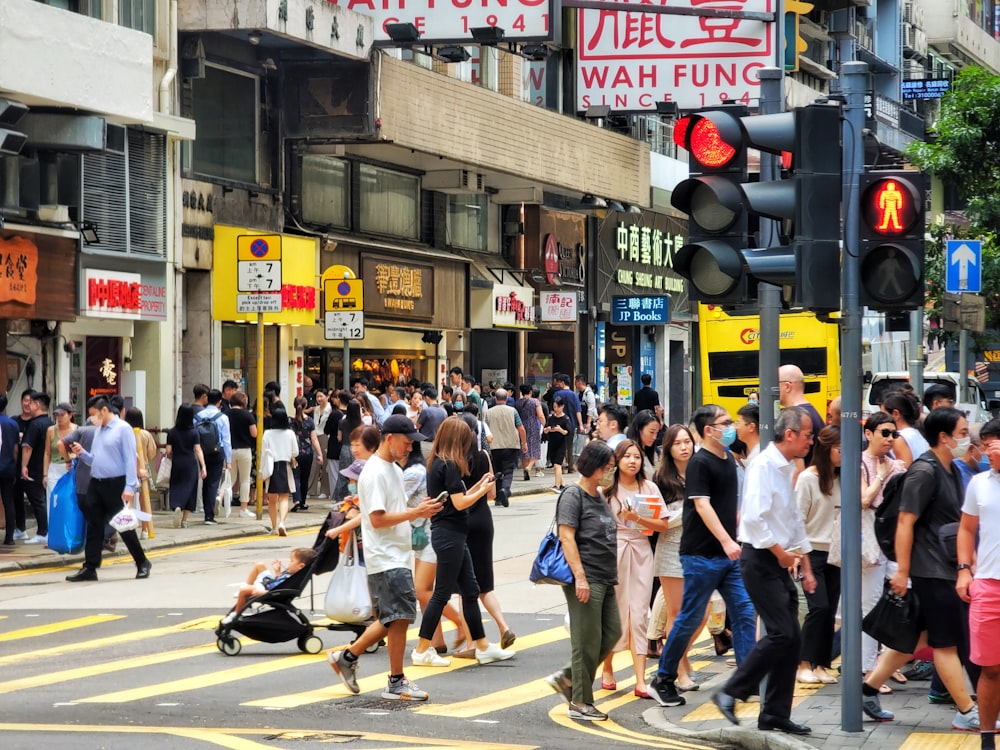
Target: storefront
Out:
[643,315]
[498,312]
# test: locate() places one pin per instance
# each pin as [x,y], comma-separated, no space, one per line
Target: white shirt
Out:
[381,487]
[321,417]
[769,514]
[615,440]
[982,499]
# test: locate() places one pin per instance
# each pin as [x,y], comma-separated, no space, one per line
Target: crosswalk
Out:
[108,660]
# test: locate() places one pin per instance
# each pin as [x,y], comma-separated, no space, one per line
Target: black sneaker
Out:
[665,693]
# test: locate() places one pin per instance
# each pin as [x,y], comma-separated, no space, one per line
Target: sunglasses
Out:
[889,433]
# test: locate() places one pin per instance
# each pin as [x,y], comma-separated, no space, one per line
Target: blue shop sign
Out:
[637,310]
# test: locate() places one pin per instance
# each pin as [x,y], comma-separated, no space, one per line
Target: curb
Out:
[747,737]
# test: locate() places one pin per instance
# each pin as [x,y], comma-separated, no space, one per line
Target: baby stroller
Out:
[272,617]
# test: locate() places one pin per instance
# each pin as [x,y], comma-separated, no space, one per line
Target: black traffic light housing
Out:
[720,259]
[892,223]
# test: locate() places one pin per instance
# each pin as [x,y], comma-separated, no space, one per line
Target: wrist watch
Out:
[964,566]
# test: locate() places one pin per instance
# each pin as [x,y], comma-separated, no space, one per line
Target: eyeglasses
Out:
[727,423]
[889,433]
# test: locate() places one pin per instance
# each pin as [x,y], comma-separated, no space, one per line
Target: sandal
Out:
[898,677]
[807,677]
[885,690]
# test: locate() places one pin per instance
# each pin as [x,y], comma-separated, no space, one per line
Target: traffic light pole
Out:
[772,100]
[854,78]
[917,350]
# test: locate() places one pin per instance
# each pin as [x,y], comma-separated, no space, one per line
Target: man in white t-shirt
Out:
[385,524]
[981,512]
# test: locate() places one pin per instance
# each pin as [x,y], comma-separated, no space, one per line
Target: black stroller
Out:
[272,617]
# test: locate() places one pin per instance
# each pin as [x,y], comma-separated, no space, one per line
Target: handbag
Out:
[266,463]
[125,520]
[347,598]
[550,564]
[66,524]
[894,620]
[871,554]
[418,537]
[163,471]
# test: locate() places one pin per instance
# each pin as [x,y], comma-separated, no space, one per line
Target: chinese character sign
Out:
[631,61]
[18,270]
[558,307]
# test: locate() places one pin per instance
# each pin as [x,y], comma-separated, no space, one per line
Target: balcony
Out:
[957,37]
[56,58]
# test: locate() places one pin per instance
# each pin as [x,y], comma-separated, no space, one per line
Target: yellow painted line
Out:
[57,627]
[610,730]
[202,623]
[99,668]
[377,682]
[209,679]
[228,737]
[943,741]
[708,712]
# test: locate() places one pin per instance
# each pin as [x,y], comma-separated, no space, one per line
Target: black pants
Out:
[35,492]
[7,495]
[301,474]
[454,572]
[504,464]
[104,500]
[210,484]
[817,630]
[776,655]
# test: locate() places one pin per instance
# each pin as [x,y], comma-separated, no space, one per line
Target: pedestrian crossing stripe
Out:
[57,627]
[611,730]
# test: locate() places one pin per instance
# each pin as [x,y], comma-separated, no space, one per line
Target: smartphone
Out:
[441,498]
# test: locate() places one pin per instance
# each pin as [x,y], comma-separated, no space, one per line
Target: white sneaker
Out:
[144,534]
[177,518]
[322,496]
[38,539]
[18,534]
[494,653]
[228,618]
[429,658]
[247,514]
[967,722]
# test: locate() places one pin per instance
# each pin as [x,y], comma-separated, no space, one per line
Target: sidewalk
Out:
[26,556]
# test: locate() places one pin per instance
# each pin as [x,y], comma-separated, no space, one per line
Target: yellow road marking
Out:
[57,627]
[944,741]
[708,712]
[202,623]
[611,730]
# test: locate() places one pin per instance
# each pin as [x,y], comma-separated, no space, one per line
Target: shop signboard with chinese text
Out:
[558,307]
[397,288]
[513,306]
[23,293]
[102,372]
[631,61]
[111,294]
[638,310]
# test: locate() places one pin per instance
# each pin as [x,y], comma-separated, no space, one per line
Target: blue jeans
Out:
[702,576]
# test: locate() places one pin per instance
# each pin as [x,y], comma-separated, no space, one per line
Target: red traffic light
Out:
[713,139]
[891,206]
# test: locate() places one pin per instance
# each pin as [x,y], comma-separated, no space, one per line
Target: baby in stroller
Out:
[264,577]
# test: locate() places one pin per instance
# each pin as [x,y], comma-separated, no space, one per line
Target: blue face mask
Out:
[352,488]
[728,436]
[984,464]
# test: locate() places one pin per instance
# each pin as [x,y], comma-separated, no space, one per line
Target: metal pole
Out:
[259,484]
[854,77]
[963,365]
[917,351]
[772,101]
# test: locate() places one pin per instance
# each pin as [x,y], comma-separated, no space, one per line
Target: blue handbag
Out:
[66,524]
[550,564]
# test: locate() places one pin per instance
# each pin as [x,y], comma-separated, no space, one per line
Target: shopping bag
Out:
[66,524]
[893,621]
[126,519]
[347,598]
[550,564]
[163,471]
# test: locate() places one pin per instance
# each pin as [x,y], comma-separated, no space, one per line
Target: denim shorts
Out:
[393,595]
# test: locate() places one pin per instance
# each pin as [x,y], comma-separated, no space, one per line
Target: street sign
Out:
[343,294]
[964,266]
[261,302]
[635,310]
[258,275]
[344,325]
[258,247]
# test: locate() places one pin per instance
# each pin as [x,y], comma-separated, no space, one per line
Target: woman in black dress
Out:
[350,421]
[309,451]
[187,463]
[557,427]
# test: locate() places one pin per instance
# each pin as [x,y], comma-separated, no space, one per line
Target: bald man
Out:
[833,411]
[792,392]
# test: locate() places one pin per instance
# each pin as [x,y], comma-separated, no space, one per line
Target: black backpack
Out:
[887,514]
[208,434]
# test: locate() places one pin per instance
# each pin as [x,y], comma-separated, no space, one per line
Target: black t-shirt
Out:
[240,422]
[818,424]
[444,476]
[715,478]
[332,429]
[646,398]
[556,439]
[429,421]
[935,497]
[34,436]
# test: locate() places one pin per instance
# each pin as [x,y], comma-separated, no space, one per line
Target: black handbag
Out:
[895,620]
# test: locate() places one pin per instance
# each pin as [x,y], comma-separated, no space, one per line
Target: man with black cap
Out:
[385,524]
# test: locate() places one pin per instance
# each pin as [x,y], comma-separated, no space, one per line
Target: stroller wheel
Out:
[229,646]
[374,647]
[310,644]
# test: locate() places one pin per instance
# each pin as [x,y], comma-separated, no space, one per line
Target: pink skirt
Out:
[984,622]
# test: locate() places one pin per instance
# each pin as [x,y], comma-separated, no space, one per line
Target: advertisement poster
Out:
[624,375]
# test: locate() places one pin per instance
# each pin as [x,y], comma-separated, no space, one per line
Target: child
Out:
[263,578]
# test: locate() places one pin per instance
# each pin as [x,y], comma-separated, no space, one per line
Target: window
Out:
[467,217]
[90,8]
[324,191]
[138,14]
[224,105]
[389,202]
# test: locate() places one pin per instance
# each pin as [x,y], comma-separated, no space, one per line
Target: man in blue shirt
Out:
[571,406]
[113,484]
[217,460]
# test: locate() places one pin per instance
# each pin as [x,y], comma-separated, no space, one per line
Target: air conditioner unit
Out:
[920,42]
[908,11]
[53,214]
[908,35]
[454,181]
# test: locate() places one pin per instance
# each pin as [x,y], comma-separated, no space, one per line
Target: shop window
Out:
[389,202]
[224,105]
[467,221]
[325,190]
[138,14]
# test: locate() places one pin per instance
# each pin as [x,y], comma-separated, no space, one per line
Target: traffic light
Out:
[892,240]
[11,141]
[810,265]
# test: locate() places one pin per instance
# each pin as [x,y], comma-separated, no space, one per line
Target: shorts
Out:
[427,554]
[984,619]
[394,596]
[944,615]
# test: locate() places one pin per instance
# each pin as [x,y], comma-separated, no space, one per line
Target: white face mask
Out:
[961,447]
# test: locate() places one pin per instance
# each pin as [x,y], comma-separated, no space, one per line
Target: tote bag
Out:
[347,598]
[550,564]
[66,524]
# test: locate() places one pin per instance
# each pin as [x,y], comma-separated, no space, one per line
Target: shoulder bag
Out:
[347,598]
[550,564]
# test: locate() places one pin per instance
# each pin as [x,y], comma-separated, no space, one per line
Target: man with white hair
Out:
[509,440]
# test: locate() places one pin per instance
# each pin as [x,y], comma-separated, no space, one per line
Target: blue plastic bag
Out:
[66,524]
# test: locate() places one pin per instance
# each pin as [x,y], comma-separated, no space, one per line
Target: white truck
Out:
[974,405]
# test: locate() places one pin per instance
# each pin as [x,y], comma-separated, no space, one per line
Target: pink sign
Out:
[558,307]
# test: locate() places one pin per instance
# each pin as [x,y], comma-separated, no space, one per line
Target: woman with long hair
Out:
[638,509]
[532,418]
[309,451]
[905,410]
[676,450]
[187,463]
[348,424]
[280,443]
[818,493]
[145,445]
[447,463]
[643,430]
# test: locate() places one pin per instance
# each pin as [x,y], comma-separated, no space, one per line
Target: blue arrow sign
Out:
[964,267]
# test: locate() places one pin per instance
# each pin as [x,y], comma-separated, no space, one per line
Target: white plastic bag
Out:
[125,520]
[347,598]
